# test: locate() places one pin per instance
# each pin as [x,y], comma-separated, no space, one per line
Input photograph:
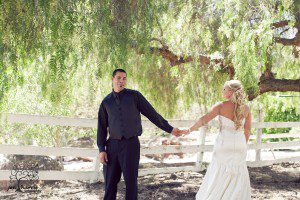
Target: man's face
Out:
[119,81]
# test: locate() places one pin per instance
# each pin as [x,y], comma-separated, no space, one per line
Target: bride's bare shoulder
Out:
[218,104]
[226,103]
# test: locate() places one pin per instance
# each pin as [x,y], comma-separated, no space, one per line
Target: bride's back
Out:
[227,110]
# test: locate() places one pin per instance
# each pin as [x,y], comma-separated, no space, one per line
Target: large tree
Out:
[254,40]
[172,49]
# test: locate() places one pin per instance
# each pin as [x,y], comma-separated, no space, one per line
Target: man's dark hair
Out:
[118,70]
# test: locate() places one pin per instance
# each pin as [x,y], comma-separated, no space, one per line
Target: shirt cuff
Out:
[101,149]
[169,129]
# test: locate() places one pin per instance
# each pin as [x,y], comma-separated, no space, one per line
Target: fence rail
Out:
[88,152]
[92,123]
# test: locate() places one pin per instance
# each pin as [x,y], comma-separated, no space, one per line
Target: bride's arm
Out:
[214,111]
[247,125]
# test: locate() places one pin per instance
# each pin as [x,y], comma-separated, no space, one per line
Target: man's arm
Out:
[102,128]
[147,110]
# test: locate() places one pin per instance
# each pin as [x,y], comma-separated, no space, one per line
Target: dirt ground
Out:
[280,181]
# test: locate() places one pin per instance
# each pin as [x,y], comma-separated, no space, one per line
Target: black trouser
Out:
[123,156]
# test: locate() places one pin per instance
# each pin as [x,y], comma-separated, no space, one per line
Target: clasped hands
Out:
[177,132]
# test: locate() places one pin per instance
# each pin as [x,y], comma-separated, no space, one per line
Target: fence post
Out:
[259,136]
[96,164]
[201,142]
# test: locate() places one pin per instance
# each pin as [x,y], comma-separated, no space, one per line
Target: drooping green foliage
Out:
[57,36]
[279,112]
[56,57]
[61,47]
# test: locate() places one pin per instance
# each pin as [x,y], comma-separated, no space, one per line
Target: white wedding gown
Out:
[227,176]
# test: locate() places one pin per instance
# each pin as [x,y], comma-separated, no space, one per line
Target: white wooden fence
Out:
[96,174]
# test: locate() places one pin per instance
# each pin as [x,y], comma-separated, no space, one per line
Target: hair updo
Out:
[238,97]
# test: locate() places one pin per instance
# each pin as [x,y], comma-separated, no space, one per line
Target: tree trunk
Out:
[277,85]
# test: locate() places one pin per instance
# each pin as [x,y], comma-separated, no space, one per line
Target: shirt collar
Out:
[118,93]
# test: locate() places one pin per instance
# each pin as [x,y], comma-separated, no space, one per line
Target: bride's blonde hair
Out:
[238,97]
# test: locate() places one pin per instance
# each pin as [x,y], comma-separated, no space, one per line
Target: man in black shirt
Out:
[119,114]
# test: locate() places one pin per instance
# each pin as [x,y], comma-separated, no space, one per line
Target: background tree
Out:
[56,57]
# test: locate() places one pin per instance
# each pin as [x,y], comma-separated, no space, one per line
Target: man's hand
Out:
[176,132]
[103,157]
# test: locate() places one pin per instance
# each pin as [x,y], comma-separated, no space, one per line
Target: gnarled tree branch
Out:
[204,60]
[268,82]
[169,55]
[287,41]
[276,85]
[280,24]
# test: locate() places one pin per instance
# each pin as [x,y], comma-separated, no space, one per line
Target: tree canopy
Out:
[172,50]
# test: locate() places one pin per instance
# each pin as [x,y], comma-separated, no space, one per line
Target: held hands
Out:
[185,132]
[177,132]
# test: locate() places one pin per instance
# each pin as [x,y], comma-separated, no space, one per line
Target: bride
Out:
[227,175]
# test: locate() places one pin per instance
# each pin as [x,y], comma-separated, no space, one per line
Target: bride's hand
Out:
[184,132]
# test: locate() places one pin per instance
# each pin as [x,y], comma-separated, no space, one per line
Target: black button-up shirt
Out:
[119,114]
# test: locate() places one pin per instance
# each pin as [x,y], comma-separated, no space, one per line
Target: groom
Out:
[120,113]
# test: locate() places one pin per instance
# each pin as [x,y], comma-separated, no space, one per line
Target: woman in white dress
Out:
[227,176]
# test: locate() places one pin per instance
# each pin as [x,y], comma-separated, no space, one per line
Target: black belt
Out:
[122,138]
